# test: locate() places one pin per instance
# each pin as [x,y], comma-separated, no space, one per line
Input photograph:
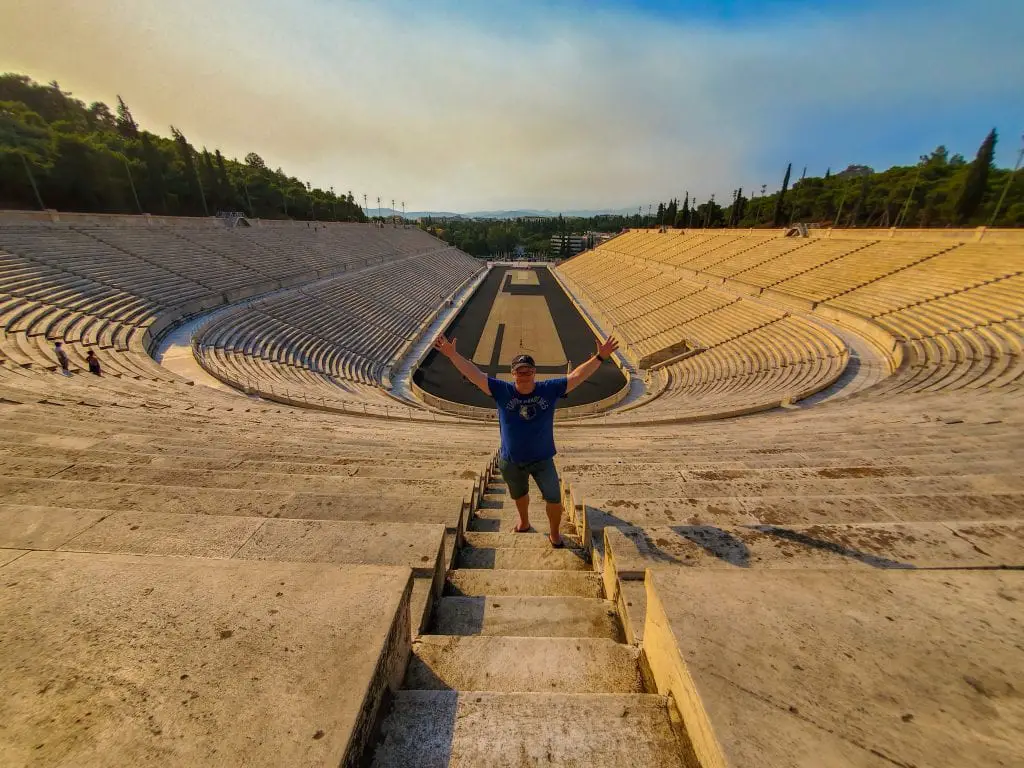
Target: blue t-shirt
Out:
[527,421]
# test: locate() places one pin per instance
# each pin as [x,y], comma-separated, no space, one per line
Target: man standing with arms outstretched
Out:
[526,417]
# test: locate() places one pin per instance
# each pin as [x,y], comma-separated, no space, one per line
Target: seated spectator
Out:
[94,363]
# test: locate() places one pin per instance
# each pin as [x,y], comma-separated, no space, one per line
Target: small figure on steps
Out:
[62,358]
[526,417]
[94,363]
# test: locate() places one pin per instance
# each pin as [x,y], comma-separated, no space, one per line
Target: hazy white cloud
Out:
[445,110]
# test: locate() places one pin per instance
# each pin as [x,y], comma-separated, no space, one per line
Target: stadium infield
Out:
[518,311]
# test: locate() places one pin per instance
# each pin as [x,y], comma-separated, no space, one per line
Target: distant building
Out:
[596,238]
[576,244]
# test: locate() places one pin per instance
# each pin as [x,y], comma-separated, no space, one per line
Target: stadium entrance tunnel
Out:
[514,311]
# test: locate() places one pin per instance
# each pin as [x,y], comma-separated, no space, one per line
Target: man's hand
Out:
[445,347]
[585,370]
[607,347]
[462,365]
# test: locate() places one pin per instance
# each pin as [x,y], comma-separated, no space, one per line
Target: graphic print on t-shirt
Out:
[528,407]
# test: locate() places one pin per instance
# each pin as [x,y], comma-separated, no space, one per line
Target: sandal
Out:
[517,529]
[559,545]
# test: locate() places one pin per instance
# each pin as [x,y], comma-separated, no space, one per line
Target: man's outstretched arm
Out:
[584,371]
[464,366]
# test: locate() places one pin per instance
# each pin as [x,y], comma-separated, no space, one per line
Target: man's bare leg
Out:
[554,522]
[523,508]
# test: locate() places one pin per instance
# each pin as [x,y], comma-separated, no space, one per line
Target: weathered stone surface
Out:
[38,527]
[532,539]
[480,582]
[870,668]
[172,661]
[10,555]
[153,533]
[914,508]
[491,520]
[452,728]
[874,545]
[523,558]
[377,506]
[341,541]
[632,604]
[1001,541]
[541,664]
[526,616]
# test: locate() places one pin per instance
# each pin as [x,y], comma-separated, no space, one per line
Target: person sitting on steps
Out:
[526,419]
[93,363]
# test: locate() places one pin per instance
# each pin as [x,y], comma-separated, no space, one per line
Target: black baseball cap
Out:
[520,360]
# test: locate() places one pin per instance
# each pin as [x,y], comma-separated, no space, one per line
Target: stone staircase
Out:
[525,663]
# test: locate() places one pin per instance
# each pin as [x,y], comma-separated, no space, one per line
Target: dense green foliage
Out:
[56,152]
[502,237]
[938,191]
[973,191]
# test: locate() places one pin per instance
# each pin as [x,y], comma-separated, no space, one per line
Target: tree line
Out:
[58,152]
[493,237]
[938,191]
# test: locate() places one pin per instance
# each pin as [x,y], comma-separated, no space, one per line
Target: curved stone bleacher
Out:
[114,285]
[196,577]
[737,354]
[345,332]
[944,309]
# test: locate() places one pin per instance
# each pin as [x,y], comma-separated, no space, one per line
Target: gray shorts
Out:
[517,477]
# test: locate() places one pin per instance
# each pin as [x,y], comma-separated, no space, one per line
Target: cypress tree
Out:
[125,123]
[855,215]
[737,209]
[976,180]
[209,179]
[198,202]
[777,216]
[224,190]
[155,188]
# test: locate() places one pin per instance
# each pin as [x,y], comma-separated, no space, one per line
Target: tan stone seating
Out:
[722,248]
[759,252]
[164,247]
[349,327]
[790,263]
[868,263]
[956,305]
[964,268]
[759,517]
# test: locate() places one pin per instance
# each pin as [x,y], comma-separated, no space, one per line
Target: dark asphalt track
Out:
[438,376]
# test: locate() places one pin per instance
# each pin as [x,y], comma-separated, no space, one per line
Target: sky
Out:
[475,105]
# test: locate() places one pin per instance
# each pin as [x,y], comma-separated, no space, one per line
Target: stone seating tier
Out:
[350,327]
[673,312]
[112,288]
[954,306]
